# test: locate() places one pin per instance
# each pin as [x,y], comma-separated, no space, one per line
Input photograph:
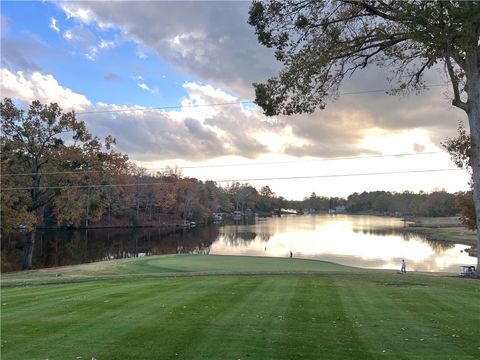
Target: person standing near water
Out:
[291,254]
[403,268]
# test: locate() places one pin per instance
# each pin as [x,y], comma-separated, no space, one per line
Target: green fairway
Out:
[223,307]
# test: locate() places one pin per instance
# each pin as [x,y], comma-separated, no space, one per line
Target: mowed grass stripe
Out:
[170,334]
[316,326]
[451,327]
[255,323]
[398,322]
[328,314]
[99,320]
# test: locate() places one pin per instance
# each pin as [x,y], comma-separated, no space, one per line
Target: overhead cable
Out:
[240,164]
[236,180]
[172,107]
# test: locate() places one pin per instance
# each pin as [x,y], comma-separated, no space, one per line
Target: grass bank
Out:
[444,229]
[224,307]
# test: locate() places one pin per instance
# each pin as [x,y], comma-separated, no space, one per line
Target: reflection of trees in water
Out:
[436,245]
[244,220]
[70,247]
[264,237]
[378,231]
[235,238]
[238,238]
[196,241]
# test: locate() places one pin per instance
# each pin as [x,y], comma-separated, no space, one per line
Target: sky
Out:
[149,73]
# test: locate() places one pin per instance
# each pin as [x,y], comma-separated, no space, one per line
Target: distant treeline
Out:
[437,203]
[49,180]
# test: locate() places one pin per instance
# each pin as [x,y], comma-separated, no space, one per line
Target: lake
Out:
[362,241]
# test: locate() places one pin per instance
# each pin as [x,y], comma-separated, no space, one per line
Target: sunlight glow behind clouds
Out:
[405,141]
[218,57]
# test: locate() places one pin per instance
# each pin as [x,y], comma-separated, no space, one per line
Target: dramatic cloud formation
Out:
[199,132]
[210,45]
[206,41]
[148,135]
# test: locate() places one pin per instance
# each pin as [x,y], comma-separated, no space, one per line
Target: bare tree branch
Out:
[457,101]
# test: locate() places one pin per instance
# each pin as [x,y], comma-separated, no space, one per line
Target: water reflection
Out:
[60,248]
[363,241]
[437,246]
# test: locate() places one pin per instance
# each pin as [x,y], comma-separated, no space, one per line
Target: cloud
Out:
[153,135]
[148,135]
[68,35]
[206,42]
[106,44]
[145,87]
[91,54]
[198,132]
[83,14]
[87,42]
[36,86]
[53,25]
[141,53]
[342,128]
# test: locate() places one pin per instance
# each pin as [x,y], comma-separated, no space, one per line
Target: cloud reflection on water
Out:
[361,241]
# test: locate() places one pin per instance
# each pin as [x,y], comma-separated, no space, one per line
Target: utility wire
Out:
[240,164]
[164,107]
[238,180]
[171,107]
[308,161]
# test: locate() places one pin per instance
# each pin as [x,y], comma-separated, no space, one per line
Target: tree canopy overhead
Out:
[322,42]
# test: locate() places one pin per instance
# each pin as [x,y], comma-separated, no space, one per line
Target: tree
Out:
[322,42]
[36,143]
[464,203]
[265,201]
[460,149]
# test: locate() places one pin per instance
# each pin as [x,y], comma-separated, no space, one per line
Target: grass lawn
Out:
[224,307]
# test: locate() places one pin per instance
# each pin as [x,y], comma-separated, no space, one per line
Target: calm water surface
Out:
[363,241]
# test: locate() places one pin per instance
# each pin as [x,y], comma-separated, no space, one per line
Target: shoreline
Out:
[447,230]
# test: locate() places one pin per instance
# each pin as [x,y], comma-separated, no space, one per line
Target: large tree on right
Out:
[322,42]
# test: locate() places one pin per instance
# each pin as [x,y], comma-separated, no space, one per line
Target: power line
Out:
[171,107]
[240,164]
[310,161]
[238,180]
[165,107]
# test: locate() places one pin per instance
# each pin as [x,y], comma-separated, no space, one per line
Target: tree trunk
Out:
[473,112]
[87,215]
[28,250]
